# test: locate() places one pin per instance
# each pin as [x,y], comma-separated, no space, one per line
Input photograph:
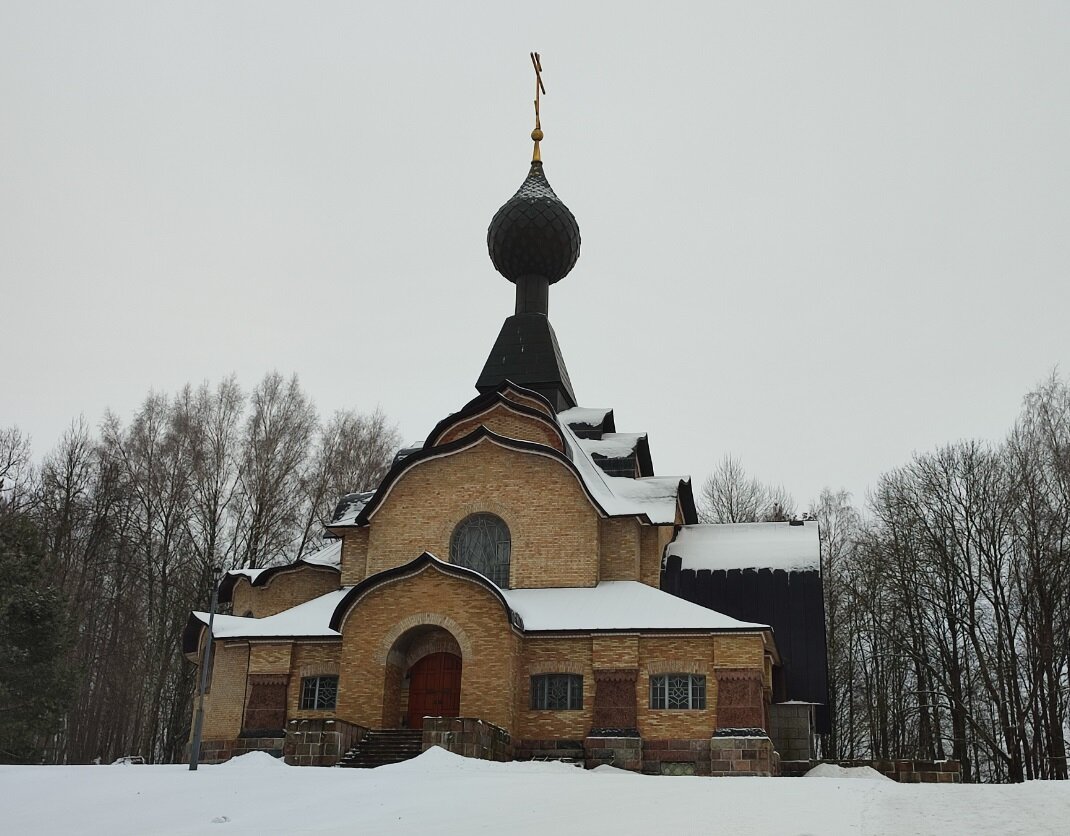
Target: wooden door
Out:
[434,688]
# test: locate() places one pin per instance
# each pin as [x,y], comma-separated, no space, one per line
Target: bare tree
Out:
[275,454]
[353,453]
[15,467]
[729,495]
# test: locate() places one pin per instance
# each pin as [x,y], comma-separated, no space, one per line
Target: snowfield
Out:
[440,793]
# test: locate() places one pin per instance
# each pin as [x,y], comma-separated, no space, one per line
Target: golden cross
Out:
[536,62]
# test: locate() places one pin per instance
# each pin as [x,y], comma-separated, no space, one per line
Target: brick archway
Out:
[425,619]
[422,671]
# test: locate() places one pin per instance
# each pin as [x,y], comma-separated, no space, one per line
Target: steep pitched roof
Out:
[526,351]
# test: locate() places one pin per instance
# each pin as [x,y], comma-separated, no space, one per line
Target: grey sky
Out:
[816,235]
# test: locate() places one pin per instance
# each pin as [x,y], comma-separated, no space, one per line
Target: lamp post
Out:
[206,662]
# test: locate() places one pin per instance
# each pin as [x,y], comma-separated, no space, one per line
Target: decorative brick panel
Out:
[740,698]
[614,699]
[265,706]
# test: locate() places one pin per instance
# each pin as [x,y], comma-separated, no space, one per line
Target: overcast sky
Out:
[819,236]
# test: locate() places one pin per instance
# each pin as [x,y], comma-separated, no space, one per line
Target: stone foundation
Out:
[320,742]
[549,750]
[621,752]
[676,757]
[912,771]
[743,756]
[469,737]
[790,727]
[218,751]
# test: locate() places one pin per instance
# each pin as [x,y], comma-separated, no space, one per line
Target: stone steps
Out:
[382,747]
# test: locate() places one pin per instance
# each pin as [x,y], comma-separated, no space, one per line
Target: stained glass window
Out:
[481,542]
[678,690]
[557,692]
[319,692]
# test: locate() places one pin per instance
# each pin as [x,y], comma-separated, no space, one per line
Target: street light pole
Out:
[206,662]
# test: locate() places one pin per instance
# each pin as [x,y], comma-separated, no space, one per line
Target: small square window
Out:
[319,693]
[557,692]
[678,690]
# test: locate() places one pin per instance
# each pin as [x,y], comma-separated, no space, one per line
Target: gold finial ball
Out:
[537,134]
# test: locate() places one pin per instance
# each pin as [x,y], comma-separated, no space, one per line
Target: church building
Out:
[500,593]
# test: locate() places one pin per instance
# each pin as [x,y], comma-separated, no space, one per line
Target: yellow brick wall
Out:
[554,655]
[270,658]
[676,655]
[620,549]
[310,660]
[739,651]
[652,547]
[224,704]
[354,556]
[553,526]
[503,421]
[489,648]
[286,589]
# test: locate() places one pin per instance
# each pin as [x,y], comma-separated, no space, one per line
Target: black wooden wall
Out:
[790,602]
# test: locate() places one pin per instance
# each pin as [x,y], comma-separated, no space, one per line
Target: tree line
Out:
[947,598]
[107,543]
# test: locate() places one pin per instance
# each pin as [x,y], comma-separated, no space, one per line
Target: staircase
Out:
[379,748]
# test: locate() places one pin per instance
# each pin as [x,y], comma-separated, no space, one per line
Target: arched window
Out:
[481,542]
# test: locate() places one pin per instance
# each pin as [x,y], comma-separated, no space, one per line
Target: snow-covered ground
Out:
[439,793]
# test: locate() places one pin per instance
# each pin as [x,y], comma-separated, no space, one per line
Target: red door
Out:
[434,688]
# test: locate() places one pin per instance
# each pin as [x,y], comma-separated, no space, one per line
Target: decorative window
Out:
[318,692]
[678,690]
[481,542]
[557,692]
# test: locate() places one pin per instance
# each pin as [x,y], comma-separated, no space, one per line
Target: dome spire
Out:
[536,62]
[533,239]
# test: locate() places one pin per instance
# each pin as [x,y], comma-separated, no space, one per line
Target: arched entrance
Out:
[423,678]
[434,688]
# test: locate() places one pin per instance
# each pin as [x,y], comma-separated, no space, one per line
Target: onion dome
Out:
[534,233]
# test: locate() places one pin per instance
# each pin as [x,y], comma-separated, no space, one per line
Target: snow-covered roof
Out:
[654,496]
[612,445]
[615,605]
[349,506]
[590,416]
[770,545]
[310,619]
[328,555]
[611,605]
